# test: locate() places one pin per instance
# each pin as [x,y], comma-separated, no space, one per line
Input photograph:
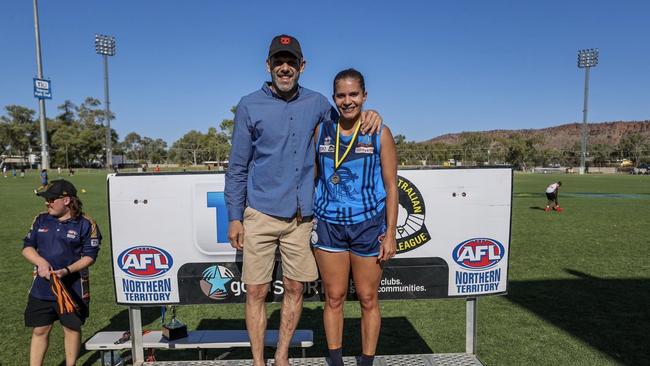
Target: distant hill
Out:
[563,136]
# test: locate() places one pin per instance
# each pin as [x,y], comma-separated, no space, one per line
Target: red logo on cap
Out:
[285,40]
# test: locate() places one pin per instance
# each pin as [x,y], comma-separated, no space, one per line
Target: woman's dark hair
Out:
[350,74]
[76,206]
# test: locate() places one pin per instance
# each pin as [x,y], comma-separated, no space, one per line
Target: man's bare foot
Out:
[281,360]
[261,362]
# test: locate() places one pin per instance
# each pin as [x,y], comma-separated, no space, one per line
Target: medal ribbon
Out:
[337,162]
[64,302]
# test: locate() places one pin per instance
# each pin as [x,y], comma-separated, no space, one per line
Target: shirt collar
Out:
[266,88]
[73,220]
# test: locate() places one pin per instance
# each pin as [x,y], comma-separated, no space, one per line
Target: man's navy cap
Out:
[285,43]
[57,189]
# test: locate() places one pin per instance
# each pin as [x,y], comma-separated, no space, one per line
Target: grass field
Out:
[579,283]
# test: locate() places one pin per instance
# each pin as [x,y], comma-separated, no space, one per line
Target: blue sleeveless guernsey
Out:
[358,193]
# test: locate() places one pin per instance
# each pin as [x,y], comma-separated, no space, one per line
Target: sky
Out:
[431,67]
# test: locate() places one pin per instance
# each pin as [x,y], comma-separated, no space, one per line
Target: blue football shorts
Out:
[362,239]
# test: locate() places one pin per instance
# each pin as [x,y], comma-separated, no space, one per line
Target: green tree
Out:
[189,148]
[399,139]
[217,145]
[155,151]
[520,150]
[475,146]
[90,112]
[67,112]
[66,149]
[226,126]
[132,145]
[18,131]
[633,145]
[600,154]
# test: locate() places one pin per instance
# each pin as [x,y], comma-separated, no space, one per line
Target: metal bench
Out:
[197,339]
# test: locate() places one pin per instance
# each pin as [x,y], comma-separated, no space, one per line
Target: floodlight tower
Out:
[45,154]
[587,59]
[105,46]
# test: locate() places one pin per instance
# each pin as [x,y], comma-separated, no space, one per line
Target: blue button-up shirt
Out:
[271,167]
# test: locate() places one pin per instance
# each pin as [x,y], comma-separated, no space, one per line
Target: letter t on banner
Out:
[217,200]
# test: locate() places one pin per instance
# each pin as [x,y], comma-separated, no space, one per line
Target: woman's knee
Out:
[335,299]
[368,301]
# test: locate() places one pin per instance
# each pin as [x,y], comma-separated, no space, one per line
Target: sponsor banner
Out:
[170,245]
[410,278]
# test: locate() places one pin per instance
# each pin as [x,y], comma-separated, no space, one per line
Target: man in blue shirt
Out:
[62,242]
[270,186]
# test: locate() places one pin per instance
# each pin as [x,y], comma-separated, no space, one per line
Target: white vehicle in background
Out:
[643,168]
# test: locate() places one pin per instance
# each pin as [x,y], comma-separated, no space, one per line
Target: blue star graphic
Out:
[212,276]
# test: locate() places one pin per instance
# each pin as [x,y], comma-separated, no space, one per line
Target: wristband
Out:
[68,269]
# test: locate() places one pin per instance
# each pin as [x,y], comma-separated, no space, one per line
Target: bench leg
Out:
[201,354]
[304,353]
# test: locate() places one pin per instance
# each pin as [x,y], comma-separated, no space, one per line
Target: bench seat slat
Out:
[197,339]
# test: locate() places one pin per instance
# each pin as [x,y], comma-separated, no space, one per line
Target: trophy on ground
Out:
[175,329]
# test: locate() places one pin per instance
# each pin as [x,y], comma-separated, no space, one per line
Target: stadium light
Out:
[587,59]
[105,46]
[45,154]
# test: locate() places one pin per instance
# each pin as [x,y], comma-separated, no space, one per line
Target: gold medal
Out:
[335,179]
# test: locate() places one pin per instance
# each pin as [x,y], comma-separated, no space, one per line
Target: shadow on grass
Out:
[611,315]
[397,335]
[536,208]
[119,322]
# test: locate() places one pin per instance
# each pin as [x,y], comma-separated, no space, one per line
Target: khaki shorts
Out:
[262,235]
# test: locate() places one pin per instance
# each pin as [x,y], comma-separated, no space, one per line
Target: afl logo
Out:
[145,261]
[411,232]
[478,253]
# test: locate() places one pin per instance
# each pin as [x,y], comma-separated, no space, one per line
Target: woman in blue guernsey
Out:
[355,209]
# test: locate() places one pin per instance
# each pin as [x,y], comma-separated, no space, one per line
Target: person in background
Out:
[552,191]
[44,178]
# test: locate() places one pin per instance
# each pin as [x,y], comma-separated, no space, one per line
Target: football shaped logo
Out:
[145,261]
[478,253]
